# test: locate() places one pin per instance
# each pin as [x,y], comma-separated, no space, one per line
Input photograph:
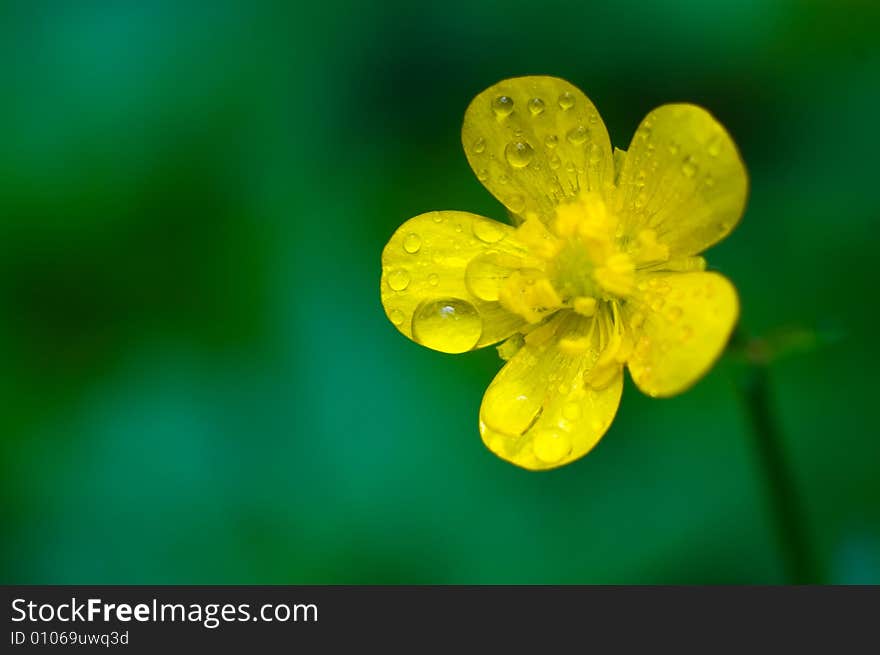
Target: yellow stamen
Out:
[585,306]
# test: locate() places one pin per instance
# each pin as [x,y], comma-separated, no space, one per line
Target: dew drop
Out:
[594,118]
[396,316]
[673,148]
[571,411]
[412,243]
[438,218]
[398,279]
[509,409]
[519,154]
[482,175]
[536,106]
[566,100]
[595,153]
[709,181]
[577,135]
[484,277]
[480,146]
[550,446]
[433,279]
[551,141]
[689,166]
[487,231]
[503,179]
[450,325]
[554,162]
[516,203]
[714,146]
[502,106]
[673,314]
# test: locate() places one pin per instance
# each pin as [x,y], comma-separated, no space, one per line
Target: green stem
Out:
[780,487]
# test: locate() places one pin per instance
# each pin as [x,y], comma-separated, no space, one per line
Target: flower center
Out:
[585,261]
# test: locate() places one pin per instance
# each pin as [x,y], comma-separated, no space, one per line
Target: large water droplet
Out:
[509,409]
[577,135]
[566,100]
[550,446]
[450,325]
[487,231]
[519,154]
[536,106]
[480,146]
[502,106]
[412,243]
[398,279]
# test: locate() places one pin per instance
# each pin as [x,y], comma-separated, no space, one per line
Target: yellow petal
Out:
[536,141]
[538,413]
[688,318]
[440,277]
[683,177]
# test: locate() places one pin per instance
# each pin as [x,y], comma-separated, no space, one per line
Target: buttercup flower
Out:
[600,268]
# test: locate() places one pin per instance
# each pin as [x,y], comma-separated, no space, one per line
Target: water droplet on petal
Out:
[412,243]
[502,106]
[516,203]
[433,279]
[714,146]
[519,154]
[689,166]
[487,231]
[673,314]
[450,325]
[396,316]
[484,276]
[571,411]
[480,146]
[551,141]
[577,135]
[509,409]
[551,446]
[482,175]
[398,279]
[438,218]
[536,106]
[566,100]
[555,162]
[594,117]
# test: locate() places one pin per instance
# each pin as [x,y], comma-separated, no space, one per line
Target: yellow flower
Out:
[599,270]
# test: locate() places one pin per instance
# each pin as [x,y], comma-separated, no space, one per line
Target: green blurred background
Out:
[198,383]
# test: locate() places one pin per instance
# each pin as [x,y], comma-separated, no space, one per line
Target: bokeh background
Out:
[198,383]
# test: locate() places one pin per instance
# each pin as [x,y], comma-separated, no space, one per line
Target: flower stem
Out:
[768,441]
